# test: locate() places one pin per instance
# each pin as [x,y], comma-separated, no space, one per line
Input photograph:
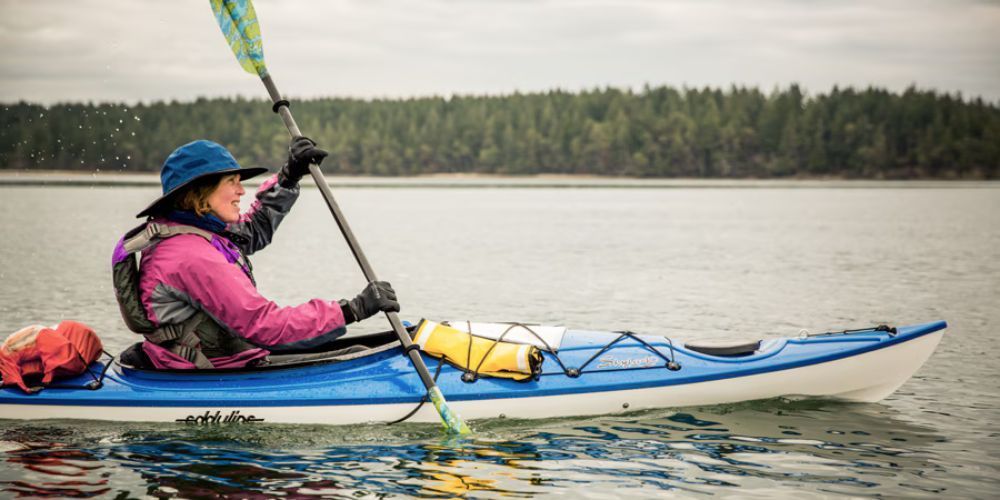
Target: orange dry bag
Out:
[40,355]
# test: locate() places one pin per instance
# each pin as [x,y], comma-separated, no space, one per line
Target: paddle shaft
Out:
[352,242]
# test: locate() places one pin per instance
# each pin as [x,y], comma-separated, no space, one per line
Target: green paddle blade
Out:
[239,25]
[449,418]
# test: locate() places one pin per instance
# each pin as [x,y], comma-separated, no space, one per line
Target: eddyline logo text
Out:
[233,417]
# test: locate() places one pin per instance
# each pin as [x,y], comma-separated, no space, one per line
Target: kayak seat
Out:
[724,348]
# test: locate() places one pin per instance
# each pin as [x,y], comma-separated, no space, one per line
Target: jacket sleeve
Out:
[256,227]
[224,292]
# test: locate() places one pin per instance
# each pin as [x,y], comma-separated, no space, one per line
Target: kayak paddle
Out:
[238,21]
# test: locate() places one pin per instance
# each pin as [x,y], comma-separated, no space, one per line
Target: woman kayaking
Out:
[193,294]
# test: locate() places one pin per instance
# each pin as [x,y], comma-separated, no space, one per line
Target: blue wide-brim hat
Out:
[193,161]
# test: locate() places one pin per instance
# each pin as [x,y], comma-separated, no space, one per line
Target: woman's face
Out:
[225,200]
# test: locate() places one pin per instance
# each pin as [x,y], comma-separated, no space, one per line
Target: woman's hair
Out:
[194,198]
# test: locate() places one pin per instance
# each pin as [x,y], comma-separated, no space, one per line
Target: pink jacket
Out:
[185,274]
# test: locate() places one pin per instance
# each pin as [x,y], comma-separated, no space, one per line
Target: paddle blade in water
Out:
[239,25]
[450,419]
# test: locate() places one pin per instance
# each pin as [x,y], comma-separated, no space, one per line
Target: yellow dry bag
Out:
[478,355]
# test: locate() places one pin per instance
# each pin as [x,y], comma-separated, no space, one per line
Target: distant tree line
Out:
[656,132]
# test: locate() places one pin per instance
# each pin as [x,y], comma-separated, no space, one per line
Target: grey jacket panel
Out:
[169,305]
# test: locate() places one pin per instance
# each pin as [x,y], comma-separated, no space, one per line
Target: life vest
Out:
[195,339]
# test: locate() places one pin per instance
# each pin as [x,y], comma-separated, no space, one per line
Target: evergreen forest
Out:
[656,132]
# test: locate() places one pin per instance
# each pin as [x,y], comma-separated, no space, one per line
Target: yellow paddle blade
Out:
[238,22]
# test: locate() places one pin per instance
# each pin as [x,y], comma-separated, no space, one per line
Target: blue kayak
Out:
[369,379]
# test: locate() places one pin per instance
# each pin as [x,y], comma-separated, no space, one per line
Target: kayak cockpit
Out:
[340,350]
[724,348]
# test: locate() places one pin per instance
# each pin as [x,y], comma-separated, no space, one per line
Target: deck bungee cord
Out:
[472,374]
[891,330]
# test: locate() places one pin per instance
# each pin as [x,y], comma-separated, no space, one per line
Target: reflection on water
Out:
[61,472]
[809,446]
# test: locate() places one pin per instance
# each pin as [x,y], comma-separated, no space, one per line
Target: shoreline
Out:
[64,178]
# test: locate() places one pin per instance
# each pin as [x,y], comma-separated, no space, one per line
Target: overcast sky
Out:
[128,50]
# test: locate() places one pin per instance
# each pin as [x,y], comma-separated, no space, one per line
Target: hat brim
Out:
[158,204]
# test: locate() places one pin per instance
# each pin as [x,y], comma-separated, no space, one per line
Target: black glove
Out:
[377,296]
[302,152]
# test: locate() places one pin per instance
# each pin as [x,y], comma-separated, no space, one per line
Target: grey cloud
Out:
[129,49]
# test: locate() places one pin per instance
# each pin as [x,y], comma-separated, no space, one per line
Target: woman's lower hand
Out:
[377,297]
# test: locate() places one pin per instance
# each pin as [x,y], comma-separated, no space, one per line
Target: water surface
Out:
[687,262]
